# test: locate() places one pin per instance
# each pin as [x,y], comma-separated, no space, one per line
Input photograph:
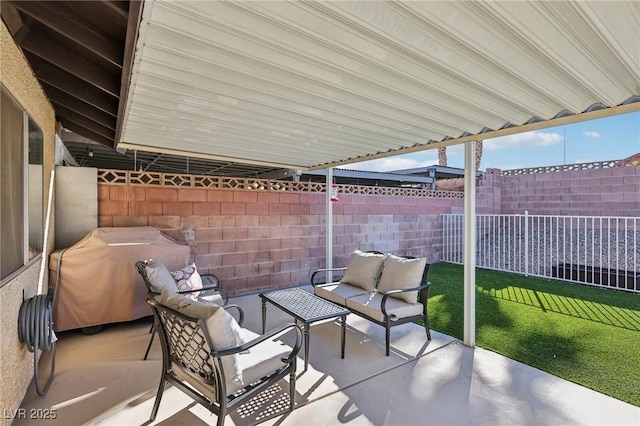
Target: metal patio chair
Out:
[211,292]
[192,363]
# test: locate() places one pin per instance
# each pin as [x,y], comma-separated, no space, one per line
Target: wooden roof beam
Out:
[74,29]
[70,62]
[67,83]
[66,115]
[61,99]
[83,131]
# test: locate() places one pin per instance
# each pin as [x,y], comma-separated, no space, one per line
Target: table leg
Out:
[306,346]
[343,324]
[264,315]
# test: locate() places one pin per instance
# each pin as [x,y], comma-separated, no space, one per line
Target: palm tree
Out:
[478,153]
[442,155]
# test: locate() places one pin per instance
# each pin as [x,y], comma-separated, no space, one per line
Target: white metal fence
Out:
[600,251]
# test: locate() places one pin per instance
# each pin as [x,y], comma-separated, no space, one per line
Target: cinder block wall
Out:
[489,193]
[255,240]
[600,192]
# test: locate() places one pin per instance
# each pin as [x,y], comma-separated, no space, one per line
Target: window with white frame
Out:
[21,187]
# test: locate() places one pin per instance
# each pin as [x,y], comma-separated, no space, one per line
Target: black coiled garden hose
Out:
[35,330]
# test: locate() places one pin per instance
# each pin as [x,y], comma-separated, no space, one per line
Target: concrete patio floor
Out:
[102,380]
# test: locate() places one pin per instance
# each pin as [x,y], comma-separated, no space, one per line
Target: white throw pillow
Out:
[187,279]
[363,270]
[400,273]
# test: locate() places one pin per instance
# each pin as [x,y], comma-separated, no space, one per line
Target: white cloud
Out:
[592,134]
[393,163]
[455,150]
[584,160]
[502,166]
[521,140]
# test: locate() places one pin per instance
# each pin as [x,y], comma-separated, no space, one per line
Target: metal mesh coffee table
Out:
[305,308]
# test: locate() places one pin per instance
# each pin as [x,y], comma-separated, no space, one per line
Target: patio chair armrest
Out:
[422,288]
[240,318]
[209,283]
[206,291]
[212,282]
[318,271]
[267,336]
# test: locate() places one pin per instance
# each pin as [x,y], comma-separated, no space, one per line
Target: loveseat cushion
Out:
[338,292]
[159,277]
[400,273]
[363,270]
[371,305]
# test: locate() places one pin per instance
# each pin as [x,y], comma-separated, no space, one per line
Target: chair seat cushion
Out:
[371,305]
[338,292]
[214,298]
[262,360]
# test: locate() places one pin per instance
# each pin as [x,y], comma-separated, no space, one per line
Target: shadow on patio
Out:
[102,379]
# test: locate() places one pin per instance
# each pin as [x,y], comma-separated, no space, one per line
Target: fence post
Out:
[526,243]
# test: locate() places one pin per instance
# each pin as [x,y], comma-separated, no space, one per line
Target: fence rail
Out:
[600,251]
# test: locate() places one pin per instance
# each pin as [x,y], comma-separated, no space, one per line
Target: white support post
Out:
[469,244]
[526,243]
[329,226]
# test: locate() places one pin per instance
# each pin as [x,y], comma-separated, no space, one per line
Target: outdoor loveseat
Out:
[386,289]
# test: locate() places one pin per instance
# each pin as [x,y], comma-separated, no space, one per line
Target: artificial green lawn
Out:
[583,334]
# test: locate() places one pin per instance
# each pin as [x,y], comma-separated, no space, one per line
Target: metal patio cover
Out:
[317,84]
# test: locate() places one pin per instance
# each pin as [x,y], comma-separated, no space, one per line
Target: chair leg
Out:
[156,404]
[387,338]
[153,334]
[426,327]
[292,386]
[222,414]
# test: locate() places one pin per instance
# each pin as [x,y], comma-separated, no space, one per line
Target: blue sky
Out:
[610,138]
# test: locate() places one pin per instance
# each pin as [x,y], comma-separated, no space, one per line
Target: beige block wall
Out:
[16,362]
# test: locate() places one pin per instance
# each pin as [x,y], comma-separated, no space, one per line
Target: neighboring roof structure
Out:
[362,177]
[307,85]
[88,153]
[437,172]
[633,160]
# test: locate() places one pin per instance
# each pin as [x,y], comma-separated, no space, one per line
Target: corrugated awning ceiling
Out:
[311,84]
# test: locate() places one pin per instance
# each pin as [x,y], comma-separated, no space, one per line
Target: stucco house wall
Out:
[16,362]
